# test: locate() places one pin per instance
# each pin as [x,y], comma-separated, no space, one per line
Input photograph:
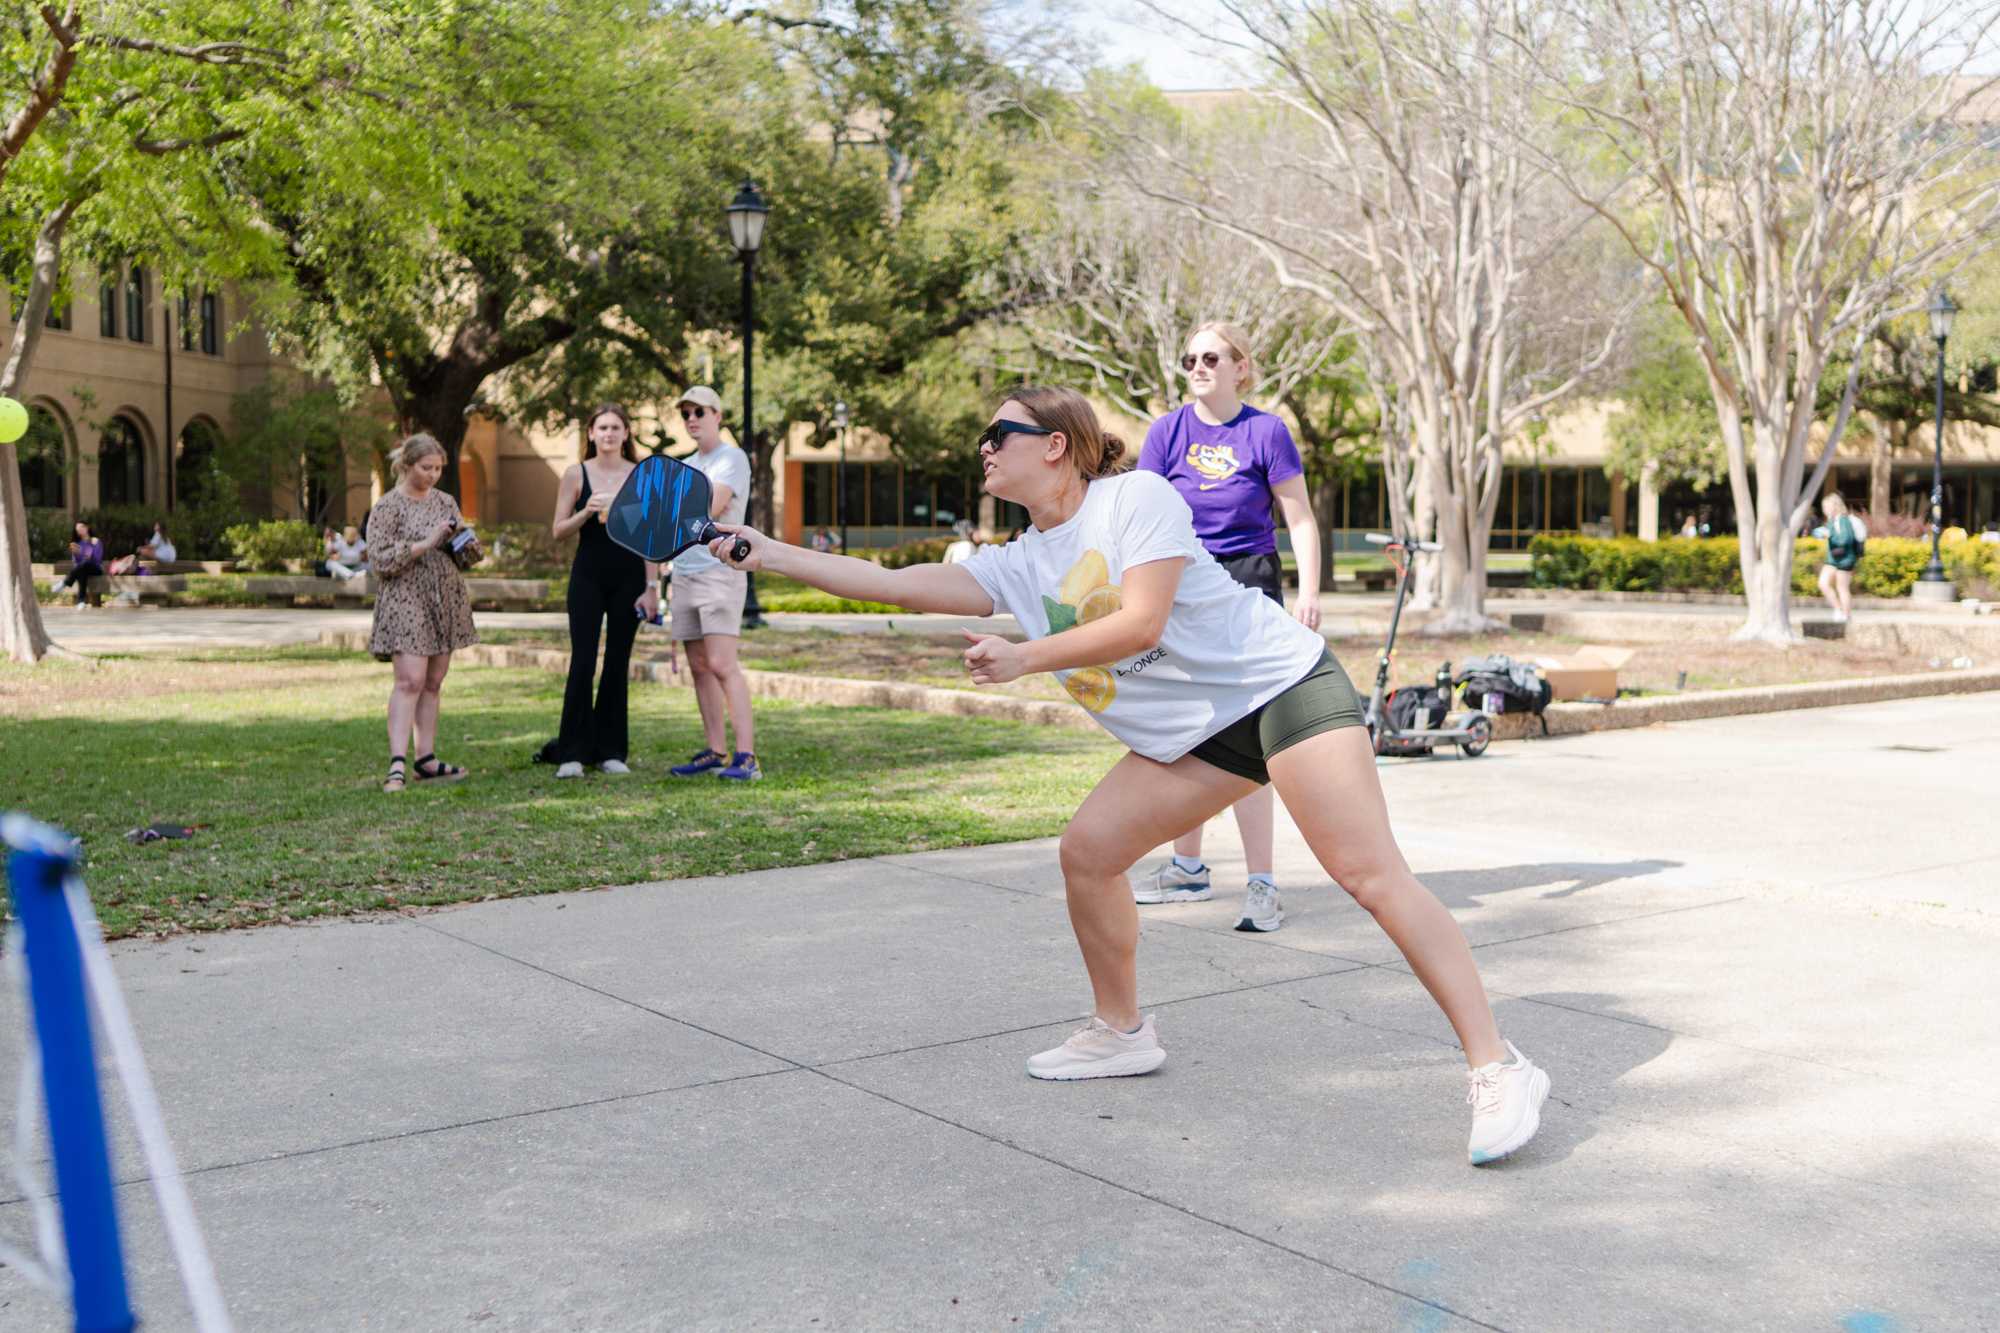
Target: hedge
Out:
[269,544]
[1711,564]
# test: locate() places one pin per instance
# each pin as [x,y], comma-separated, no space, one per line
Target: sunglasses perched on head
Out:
[1209,359]
[994,438]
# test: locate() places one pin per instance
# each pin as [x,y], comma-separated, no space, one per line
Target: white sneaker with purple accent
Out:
[1098,1050]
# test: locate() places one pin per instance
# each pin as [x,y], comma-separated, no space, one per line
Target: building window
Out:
[195,469]
[58,316]
[211,324]
[43,451]
[121,464]
[181,309]
[136,314]
[883,506]
[1563,497]
[107,308]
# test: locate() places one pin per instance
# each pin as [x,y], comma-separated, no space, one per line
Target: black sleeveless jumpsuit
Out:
[604,581]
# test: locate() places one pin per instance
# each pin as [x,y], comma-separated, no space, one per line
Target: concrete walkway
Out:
[795,1099]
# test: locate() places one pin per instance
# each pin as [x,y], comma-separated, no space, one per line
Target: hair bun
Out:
[1114,449]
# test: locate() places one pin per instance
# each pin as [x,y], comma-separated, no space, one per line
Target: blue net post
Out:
[36,872]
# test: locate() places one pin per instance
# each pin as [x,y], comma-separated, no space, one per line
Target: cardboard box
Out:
[1591,672]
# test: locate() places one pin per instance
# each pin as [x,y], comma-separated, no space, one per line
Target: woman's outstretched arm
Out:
[946,589]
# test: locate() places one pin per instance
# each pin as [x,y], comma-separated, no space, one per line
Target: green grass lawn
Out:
[282,753]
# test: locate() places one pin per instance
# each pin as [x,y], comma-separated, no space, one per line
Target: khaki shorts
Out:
[710,602]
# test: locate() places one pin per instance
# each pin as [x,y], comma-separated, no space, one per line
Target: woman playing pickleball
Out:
[1215,689]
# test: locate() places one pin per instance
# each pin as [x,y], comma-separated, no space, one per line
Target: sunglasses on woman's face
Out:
[1209,359]
[994,438]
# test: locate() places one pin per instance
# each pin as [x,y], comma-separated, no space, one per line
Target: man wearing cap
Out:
[708,603]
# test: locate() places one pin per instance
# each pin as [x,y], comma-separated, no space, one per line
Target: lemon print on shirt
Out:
[1215,462]
[1086,594]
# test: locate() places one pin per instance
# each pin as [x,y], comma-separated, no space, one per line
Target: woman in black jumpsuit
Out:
[606,583]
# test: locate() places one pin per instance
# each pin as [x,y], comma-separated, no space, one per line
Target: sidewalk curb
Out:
[784,685]
[1575,719]
[1565,719]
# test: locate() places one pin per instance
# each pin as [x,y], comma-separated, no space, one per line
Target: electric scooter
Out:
[1471,731]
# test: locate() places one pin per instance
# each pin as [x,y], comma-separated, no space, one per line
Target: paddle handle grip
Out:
[740,551]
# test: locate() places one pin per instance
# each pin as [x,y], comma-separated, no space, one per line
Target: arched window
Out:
[43,450]
[195,468]
[121,464]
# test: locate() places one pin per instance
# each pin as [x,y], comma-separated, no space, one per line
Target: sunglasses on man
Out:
[693,413]
[1209,359]
[994,438]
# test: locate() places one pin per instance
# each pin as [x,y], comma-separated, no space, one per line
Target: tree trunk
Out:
[1326,512]
[1764,548]
[762,513]
[23,637]
[1886,443]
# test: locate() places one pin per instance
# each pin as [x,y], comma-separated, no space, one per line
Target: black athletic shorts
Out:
[1256,571]
[1322,700]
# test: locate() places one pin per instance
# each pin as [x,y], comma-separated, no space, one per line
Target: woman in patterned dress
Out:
[422,612]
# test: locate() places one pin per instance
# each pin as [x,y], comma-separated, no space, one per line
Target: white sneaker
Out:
[615,767]
[570,770]
[1098,1050]
[1506,1101]
[1261,908]
[1171,884]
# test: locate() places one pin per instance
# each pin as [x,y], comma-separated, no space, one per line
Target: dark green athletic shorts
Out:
[1322,700]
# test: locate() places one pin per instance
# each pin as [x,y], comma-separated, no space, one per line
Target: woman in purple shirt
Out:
[86,562]
[1229,460]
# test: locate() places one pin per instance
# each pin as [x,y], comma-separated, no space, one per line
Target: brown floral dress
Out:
[421,605]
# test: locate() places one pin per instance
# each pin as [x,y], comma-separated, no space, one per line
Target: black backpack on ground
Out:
[1519,688]
[1418,706]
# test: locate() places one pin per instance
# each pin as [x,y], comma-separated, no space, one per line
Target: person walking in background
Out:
[86,562]
[609,588]
[1689,528]
[1229,461]
[1846,537]
[707,611]
[422,612]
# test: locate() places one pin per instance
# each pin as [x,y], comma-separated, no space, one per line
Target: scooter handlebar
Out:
[1384,539]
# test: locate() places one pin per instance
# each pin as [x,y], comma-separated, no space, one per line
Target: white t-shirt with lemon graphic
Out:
[1227,650]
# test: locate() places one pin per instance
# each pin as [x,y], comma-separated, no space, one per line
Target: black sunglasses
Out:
[693,413]
[994,438]
[1209,359]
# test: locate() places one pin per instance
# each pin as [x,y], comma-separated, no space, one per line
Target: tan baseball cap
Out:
[702,396]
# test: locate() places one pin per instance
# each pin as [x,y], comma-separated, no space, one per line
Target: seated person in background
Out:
[962,547]
[156,548]
[822,540]
[346,553]
[86,561]
[1688,529]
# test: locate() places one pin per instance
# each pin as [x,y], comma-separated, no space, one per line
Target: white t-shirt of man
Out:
[1227,650]
[724,465]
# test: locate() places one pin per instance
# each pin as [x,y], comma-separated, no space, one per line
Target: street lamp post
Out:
[746,214]
[840,474]
[1931,585]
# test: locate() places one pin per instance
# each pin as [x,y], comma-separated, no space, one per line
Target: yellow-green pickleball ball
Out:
[13,421]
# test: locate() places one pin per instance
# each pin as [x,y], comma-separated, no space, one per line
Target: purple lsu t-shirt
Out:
[1225,473]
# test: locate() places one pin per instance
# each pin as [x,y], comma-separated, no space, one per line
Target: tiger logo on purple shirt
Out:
[1216,462]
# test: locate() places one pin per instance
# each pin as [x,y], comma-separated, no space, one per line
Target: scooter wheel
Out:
[1481,727]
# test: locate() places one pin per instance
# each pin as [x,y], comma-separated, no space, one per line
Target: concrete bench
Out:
[485,593]
[145,587]
[1374,580]
[43,570]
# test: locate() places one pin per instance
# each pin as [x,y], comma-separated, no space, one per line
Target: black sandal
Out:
[394,782]
[439,771]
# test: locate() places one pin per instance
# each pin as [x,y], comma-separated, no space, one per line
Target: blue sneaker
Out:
[743,768]
[704,762]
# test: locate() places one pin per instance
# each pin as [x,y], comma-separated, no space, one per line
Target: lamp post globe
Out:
[1931,585]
